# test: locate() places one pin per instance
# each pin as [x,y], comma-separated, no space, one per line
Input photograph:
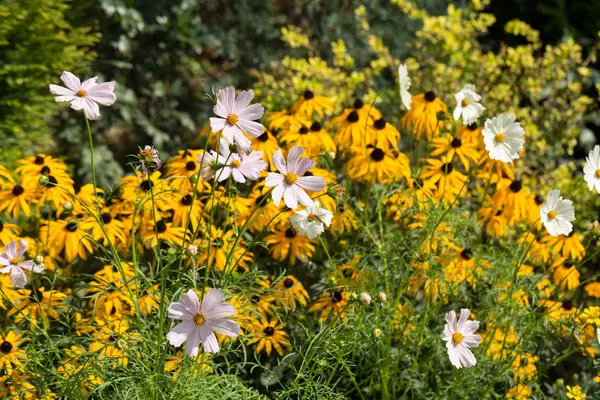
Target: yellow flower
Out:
[574,392]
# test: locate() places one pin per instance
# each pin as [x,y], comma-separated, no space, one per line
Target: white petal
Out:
[209,340]
[180,333]
[225,327]
[71,81]
[61,91]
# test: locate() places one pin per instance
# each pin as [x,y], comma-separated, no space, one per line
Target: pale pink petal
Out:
[18,277]
[302,196]
[304,165]
[180,333]
[220,110]
[181,312]
[220,311]
[11,250]
[61,91]
[289,197]
[211,300]
[279,162]
[71,81]
[464,316]
[193,342]
[240,139]
[311,183]
[28,265]
[242,101]
[103,94]
[216,124]
[252,113]
[22,248]
[451,320]
[62,99]
[273,179]
[467,359]
[225,327]
[224,147]
[453,355]
[238,176]
[78,103]
[277,194]
[89,84]
[294,157]
[223,173]
[190,302]
[6,270]
[252,128]
[91,109]
[4,260]
[209,340]
[227,97]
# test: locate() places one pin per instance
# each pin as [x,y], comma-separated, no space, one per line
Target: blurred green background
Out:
[167,54]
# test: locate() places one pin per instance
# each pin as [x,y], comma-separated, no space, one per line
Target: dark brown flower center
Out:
[467,254]
[379,124]
[106,218]
[516,186]
[303,130]
[456,143]
[447,168]
[377,154]
[6,347]
[264,137]
[39,160]
[430,96]
[336,297]
[315,127]
[358,103]
[18,190]
[146,185]
[161,226]
[288,283]
[290,233]
[71,226]
[186,200]
[352,117]
[190,166]
[308,95]
[269,331]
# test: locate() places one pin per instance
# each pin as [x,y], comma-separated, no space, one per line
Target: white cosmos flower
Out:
[206,161]
[404,82]
[309,221]
[236,116]
[557,213]
[200,321]
[460,337]
[239,166]
[85,96]
[591,169]
[289,183]
[467,105]
[15,264]
[503,138]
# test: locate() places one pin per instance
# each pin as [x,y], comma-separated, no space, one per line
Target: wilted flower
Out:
[85,96]
[149,158]
[207,163]
[364,298]
[557,213]
[15,264]
[460,337]
[200,321]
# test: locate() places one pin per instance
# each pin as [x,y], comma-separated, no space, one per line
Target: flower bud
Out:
[68,206]
[43,181]
[193,179]
[377,333]
[381,297]
[39,259]
[364,298]
[191,250]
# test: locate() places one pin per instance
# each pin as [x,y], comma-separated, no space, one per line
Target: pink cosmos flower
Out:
[290,184]
[84,96]
[200,321]
[235,116]
[15,264]
[239,166]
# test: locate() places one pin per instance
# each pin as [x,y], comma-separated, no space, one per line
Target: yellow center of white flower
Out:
[499,137]
[464,103]
[16,261]
[598,173]
[235,163]
[552,214]
[311,217]
[232,119]
[290,178]
[457,338]
[199,319]
[81,93]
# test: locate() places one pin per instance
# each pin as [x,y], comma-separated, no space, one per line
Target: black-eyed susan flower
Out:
[377,165]
[422,118]
[114,228]
[311,103]
[450,181]
[70,236]
[163,231]
[512,199]
[344,220]
[332,302]
[39,304]
[568,246]
[312,137]
[11,353]
[269,335]
[352,125]
[286,244]
[16,199]
[288,291]
[447,147]
[566,275]
[382,134]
